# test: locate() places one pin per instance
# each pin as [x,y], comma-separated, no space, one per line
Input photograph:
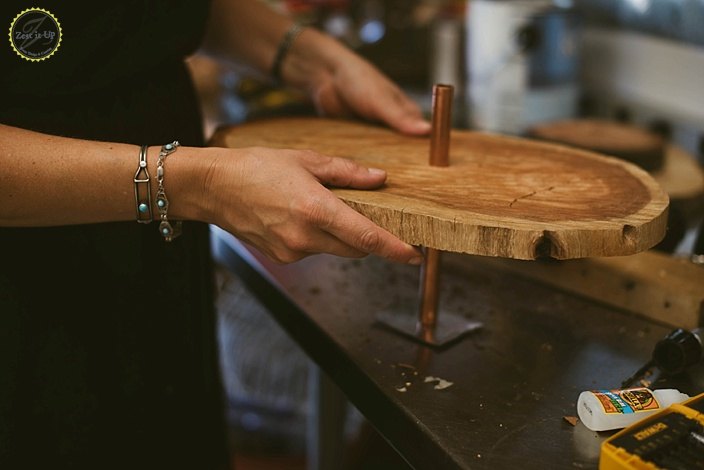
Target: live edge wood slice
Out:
[501,196]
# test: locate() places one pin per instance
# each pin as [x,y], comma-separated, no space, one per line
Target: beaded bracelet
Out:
[168,231]
[142,185]
[283,49]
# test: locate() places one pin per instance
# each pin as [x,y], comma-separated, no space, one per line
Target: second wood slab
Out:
[500,196]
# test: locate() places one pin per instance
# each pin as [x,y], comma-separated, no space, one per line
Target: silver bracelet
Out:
[284,46]
[168,231]
[142,185]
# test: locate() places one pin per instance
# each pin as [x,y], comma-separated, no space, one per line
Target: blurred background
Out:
[634,66]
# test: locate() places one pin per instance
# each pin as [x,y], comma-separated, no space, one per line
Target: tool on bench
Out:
[672,438]
[673,354]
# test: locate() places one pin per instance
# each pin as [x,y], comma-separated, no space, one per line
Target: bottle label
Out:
[630,400]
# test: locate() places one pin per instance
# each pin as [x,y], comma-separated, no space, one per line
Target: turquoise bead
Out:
[165,230]
[160,202]
[168,146]
[143,208]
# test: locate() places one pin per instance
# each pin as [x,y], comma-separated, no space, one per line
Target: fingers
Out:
[329,103]
[300,244]
[341,172]
[367,93]
[398,111]
[320,242]
[327,225]
[360,233]
[333,216]
[353,230]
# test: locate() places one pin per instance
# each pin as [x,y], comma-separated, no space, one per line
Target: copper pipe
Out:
[439,156]
[442,122]
[429,277]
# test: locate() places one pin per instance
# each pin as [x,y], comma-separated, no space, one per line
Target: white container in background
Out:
[521,60]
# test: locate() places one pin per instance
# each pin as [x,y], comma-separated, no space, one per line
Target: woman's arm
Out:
[248,31]
[338,81]
[273,199]
[48,180]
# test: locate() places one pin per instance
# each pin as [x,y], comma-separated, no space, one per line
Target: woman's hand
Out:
[341,83]
[355,87]
[276,201]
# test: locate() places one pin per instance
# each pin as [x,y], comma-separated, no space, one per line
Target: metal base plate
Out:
[448,328]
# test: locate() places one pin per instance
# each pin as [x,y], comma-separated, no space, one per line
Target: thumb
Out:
[344,173]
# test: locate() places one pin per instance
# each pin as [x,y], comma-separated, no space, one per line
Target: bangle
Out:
[283,49]
[168,231]
[141,185]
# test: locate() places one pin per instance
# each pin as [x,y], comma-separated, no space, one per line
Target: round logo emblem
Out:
[35,34]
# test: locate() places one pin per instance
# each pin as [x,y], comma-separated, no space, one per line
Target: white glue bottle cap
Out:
[604,410]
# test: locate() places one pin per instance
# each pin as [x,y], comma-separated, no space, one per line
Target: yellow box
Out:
[673,437]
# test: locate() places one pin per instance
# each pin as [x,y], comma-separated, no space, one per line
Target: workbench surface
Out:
[513,381]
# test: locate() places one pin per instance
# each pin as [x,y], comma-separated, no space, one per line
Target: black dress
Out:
[108,355]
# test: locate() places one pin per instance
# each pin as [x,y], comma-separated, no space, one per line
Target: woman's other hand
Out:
[342,83]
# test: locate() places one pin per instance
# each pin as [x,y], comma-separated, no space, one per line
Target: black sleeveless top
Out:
[107,333]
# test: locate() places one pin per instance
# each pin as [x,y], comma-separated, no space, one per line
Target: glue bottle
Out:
[603,410]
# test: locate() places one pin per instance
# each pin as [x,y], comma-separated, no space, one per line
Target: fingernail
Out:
[423,126]
[377,172]
[417,261]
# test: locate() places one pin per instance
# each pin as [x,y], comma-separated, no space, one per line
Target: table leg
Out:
[327,407]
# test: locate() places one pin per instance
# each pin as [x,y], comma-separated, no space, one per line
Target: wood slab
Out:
[681,176]
[626,141]
[500,196]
